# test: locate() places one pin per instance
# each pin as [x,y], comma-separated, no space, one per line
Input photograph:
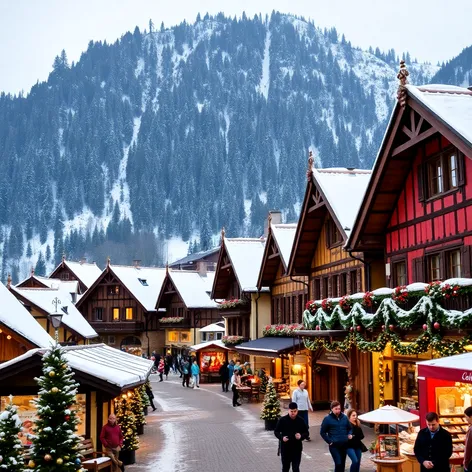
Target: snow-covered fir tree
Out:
[11,458]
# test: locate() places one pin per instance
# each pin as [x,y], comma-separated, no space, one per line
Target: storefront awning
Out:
[456,368]
[98,365]
[269,347]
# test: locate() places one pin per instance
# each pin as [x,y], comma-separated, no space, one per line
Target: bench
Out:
[92,460]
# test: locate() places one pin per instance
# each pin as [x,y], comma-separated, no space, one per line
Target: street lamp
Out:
[56,319]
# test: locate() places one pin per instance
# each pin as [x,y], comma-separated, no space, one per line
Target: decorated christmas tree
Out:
[137,407]
[125,418]
[144,397]
[271,406]
[55,441]
[264,382]
[11,459]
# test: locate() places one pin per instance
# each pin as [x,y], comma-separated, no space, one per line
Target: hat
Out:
[292,406]
[247,363]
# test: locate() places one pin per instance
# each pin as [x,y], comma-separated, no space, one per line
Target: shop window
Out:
[173,336]
[129,313]
[399,273]
[454,264]
[98,314]
[434,264]
[442,173]
[184,336]
[116,314]
[407,384]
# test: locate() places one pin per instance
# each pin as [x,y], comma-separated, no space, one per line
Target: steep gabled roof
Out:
[192,288]
[143,283]
[71,286]
[277,250]
[244,257]
[443,109]
[14,316]
[86,272]
[337,192]
[42,299]
[195,257]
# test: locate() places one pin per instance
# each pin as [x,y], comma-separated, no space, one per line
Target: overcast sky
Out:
[33,32]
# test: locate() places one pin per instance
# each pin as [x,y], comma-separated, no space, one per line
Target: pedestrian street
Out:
[200,430]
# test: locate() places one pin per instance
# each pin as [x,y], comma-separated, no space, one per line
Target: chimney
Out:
[202,268]
[136,263]
[275,217]
[83,260]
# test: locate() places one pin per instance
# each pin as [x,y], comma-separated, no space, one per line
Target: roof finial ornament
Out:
[309,172]
[167,267]
[108,261]
[32,271]
[270,217]
[402,76]
[223,232]
[9,281]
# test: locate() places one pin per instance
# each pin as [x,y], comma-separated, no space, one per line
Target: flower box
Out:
[232,340]
[231,303]
[172,320]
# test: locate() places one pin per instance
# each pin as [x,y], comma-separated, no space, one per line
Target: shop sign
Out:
[299,359]
[336,359]
[467,377]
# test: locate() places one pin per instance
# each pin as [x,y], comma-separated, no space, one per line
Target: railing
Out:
[117,326]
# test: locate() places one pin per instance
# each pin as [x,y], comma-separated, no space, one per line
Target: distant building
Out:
[204,259]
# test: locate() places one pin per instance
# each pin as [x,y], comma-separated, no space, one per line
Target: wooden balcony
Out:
[117,326]
[185,324]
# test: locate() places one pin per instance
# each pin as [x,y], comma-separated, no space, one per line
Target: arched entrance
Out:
[132,345]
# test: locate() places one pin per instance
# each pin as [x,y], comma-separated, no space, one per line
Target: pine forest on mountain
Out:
[177,132]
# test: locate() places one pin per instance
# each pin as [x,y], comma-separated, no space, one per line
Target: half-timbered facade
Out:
[85,273]
[416,216]
[120,306]
[330,206]
[184,306]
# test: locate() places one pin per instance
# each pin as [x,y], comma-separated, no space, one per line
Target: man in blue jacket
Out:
[336,430]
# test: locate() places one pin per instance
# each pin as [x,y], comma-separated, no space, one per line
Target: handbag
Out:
[363,447]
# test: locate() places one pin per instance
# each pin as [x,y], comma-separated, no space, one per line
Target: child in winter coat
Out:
[160,369]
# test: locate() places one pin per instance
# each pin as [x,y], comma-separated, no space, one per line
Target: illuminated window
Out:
[129,313]
[173,336]
[116,314]
[185,336]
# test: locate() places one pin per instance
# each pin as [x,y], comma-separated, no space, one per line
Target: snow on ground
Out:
[265,78]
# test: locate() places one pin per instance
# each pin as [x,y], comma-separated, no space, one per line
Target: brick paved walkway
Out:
[198,430]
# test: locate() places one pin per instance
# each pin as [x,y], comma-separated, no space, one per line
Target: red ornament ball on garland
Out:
[383,327]
[436,325]
[359,328]
[317,328]
[425,327]
[67,417]
[391,327]
[351,329]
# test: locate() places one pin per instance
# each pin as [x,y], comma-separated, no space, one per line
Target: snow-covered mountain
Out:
[174,133]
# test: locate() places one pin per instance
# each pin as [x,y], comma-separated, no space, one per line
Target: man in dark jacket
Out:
[291,431]
[336,430]
[433,446]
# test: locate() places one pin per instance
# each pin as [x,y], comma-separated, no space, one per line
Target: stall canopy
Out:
[269,347]
[106,368]
[456,368]
[218,344]
[389,415]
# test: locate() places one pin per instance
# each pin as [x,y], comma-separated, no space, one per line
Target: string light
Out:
[381,380]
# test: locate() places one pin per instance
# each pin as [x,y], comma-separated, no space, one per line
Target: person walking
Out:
[150,395]
[224,376]
[235,383]
[291,430]
[185,372]
[468,441]
[160,369]
[301,398]
[355,446]
[336,430]
[231,369]
[111,438]
[166,367]
[433,445]
[196,374]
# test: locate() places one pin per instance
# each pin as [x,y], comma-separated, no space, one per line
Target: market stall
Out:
[387,456]
[211,356]
[445,386]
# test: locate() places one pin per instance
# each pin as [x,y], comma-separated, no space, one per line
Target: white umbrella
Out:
[389,415]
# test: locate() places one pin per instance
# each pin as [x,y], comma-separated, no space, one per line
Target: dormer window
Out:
[143,282]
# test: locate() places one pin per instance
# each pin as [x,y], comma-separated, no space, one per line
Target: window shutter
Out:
[420,171]
[465,262]
[460,169]
[418,270]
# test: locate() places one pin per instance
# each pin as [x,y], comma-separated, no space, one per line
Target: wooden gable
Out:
[410,127]
[63,272]
[272,262]
[168,294]
[225,280]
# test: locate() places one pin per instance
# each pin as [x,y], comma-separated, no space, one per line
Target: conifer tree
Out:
[137,407]
[271,406]
[11,459]
[125,418]
[264,382]
[55,441]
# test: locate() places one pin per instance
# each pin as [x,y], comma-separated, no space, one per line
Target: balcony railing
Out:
[117,326]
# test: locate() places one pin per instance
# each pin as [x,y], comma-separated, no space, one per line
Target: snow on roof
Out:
[193,288]
[246,257]
[344,189]
[101,361]
[460,361]
[71,286]
[284,235]
[43,299]
[195,256]
[214,327]
[218,343]
[451,104]
[16,317]
[143,282]
[86,272]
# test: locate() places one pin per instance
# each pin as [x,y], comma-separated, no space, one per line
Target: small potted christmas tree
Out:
[11,459]
[136,406]
[271,408]
[125,418]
